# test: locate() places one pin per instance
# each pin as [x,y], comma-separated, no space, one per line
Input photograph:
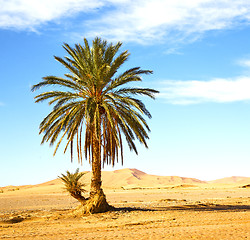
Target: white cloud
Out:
[173,50]
[215,90]
[159,20]
[29,14]
[143,21]
[244,63]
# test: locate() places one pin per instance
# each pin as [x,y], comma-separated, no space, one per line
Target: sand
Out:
[175,211]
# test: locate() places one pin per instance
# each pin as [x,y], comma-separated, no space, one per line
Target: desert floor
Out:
[181,212]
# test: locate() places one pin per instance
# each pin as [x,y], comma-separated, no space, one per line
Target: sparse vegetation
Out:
[246,186]
[73,185]
[11,189]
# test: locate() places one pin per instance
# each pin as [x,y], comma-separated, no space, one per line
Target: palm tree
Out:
[94,98]
[73,185]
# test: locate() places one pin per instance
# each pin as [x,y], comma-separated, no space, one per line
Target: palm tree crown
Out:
[95,97]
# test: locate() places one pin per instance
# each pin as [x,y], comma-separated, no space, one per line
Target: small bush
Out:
[73,185]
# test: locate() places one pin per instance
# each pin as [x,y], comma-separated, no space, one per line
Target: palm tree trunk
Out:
[96,182]
[97,200]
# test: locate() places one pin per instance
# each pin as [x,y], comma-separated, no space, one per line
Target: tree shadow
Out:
[191,207]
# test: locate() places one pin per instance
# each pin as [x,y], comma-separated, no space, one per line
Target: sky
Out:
[198,50]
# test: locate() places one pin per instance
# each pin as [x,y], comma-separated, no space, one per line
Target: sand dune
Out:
[125,178]
[133,178]
[232,180]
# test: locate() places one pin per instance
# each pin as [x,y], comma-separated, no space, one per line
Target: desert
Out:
[146,207]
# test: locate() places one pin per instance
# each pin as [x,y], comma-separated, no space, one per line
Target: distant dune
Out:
[125,178]
[133,178]
[232,180]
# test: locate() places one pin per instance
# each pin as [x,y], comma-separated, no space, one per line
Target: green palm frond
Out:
[73,185]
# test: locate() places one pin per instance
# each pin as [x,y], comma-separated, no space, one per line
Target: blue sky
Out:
[200,54]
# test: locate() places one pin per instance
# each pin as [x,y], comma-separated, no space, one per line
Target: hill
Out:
[129,178]
[133,178]
[232,180]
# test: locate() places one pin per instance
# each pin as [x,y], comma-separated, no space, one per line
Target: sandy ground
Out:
[202,212]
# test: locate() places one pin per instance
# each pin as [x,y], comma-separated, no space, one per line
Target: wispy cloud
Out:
[244,63]
[30,14]
[1,104]
[215,90]
[142,21]
[159,20]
